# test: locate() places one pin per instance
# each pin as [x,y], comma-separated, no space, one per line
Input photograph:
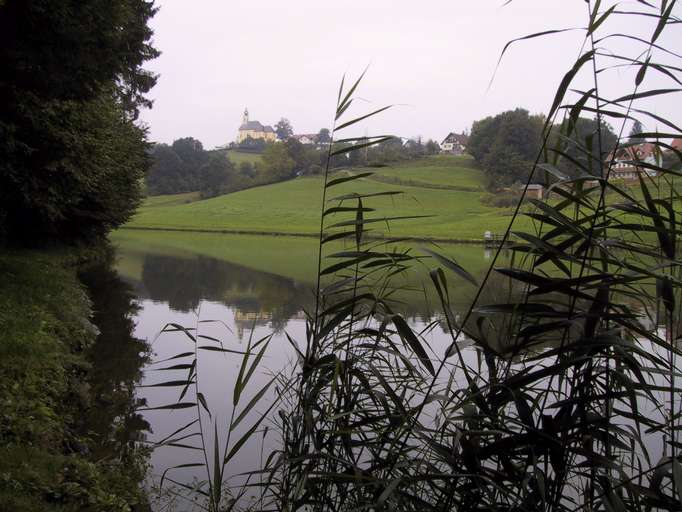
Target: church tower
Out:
[245,117]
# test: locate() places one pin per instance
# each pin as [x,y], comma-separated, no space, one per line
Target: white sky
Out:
[433,59]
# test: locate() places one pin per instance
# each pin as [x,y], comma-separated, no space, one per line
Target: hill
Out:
[447,188]
[237,157]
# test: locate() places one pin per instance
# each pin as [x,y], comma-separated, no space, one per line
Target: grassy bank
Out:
[446,188]
[44,464]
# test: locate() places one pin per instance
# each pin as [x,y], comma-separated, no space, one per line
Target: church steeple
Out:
[245,117]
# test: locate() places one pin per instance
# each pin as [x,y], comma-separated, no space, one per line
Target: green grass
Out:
[443,171]
[293,207]
[237,157]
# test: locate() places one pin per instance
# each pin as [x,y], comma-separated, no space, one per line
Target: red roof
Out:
[638,152]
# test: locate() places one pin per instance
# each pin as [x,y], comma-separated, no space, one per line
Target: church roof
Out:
[252,125]
[256,126]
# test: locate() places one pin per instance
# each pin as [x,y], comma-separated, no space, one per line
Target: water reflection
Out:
[183,288]
[117,359]
[256,297]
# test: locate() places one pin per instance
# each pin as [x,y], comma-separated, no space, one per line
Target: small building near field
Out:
[536,191]
[255,130]
[454,144]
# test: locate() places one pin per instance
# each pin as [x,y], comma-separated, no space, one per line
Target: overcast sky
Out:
[433,59]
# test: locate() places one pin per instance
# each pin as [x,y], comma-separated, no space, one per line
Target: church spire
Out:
[245,118]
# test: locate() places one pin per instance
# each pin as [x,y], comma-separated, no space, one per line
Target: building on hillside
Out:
[625,161]
[536,191]
[255,130]
[454,144]
[306,138]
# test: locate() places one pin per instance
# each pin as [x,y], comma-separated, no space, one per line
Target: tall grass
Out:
[570,400]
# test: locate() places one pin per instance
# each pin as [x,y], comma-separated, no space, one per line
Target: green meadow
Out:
[444,192]
[237,157]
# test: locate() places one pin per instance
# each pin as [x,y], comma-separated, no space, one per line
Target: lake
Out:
[229,293]
[238,289]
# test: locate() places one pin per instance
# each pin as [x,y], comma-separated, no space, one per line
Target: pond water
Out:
[238,290]
[230,292]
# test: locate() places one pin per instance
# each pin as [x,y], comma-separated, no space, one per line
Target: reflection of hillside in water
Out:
[260,298]
[256,297]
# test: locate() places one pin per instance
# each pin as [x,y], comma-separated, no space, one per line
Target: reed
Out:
[569,401]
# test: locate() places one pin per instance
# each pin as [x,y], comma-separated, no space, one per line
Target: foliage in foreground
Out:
[570,400]
[63,428]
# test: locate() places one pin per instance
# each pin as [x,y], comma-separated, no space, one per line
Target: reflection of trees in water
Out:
[117,358]
[184,283]
[261,298]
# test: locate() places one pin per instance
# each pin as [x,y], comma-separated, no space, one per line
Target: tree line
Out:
[506,146]
[185,166]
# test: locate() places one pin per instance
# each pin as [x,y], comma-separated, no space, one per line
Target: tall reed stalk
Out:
[569,400]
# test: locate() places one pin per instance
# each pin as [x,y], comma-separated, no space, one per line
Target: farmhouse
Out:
[255,130]
[625,161]
[454,143]
[306,138]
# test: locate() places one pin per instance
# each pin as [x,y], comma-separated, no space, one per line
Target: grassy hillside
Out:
[171,200]
[443,171]
[447,188]
[238,157]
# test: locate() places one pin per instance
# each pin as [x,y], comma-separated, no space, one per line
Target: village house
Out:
[306,138]
[255,130]
[454,143]
[624,161]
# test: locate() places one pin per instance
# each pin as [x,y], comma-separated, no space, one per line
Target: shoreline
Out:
[471,241]
[49,459]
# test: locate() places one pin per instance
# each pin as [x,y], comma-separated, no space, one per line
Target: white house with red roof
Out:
[626,161]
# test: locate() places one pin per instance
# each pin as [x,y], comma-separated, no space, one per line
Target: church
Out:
[255,130]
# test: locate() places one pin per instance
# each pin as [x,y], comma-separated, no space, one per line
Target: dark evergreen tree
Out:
[637,129]
[323,137]
[72,83]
